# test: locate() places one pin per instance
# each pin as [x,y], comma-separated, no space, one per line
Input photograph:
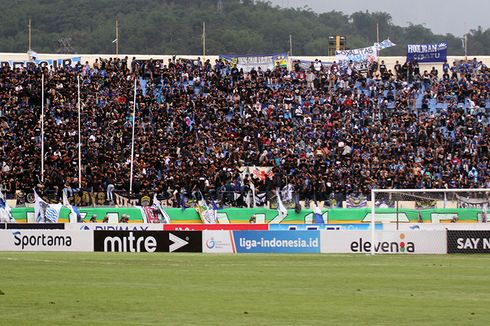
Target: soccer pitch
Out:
[200,289]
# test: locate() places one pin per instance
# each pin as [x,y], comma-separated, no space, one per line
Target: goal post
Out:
[435,206]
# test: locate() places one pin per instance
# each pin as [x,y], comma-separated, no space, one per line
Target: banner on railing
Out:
[255,61]
[360,58]
[427,52]
[14,64]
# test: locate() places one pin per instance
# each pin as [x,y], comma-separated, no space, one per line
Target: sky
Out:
[441,16]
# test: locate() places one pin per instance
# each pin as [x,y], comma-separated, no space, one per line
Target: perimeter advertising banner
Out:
[361,58]
[148,241]
[328,227]
[386,242]
[114,226]
[468,242]
[255,61]
[218,242]
[427,52]
[277,241]
[45,240]
[201,227]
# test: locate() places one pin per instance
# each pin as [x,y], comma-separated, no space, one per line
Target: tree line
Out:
[232,26]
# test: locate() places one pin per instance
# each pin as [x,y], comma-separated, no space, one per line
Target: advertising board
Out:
[114,226]
[437,226]
[148,241]
[218,242]
[329,227]
[468,242]
[45,240]
[390,242]
[277,241]
[35,226]
[200,227]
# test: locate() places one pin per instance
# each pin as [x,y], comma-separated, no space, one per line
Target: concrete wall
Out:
[90,58]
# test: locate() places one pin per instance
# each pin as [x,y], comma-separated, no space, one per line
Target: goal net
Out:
[402,211]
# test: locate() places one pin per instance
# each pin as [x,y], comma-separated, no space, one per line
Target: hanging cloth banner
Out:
[427,52]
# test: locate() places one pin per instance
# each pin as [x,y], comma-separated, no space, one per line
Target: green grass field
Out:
[199,289]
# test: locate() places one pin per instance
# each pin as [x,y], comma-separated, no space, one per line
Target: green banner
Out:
[262,215]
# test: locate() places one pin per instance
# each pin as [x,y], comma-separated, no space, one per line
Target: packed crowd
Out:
[323,128]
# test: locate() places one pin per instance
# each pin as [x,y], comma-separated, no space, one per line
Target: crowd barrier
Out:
[153,238]
[264,215]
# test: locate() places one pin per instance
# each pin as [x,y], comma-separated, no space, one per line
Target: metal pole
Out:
[117,37]
[42,127]
[203,41]
[132,141]
[377,40]
[30,36]
[373,213]
[79,138]
[397,221]
[466,47]
[290,45]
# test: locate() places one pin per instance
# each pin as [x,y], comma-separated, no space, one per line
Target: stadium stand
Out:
[327,132]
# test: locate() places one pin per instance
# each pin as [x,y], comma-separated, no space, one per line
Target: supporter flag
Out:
[143,86]
[356,201]
[39,208]
[183,201]
[214,205]
[44,212]
[207,215]
[252,187]
[53,213]
[384,45]
[260,199]
[317,215]
[5,210]
[74,211]
[158,206]
[283,212]
[297,204]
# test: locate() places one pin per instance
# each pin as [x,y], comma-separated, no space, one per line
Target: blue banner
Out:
[427,52]
[328,227]
[277,241]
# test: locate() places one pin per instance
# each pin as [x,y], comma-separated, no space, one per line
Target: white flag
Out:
[158,205]
[384,45]
[66,203]
[283,212]
[252,187]
[5,210]
[39,208]
[44,212]
[317,214]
